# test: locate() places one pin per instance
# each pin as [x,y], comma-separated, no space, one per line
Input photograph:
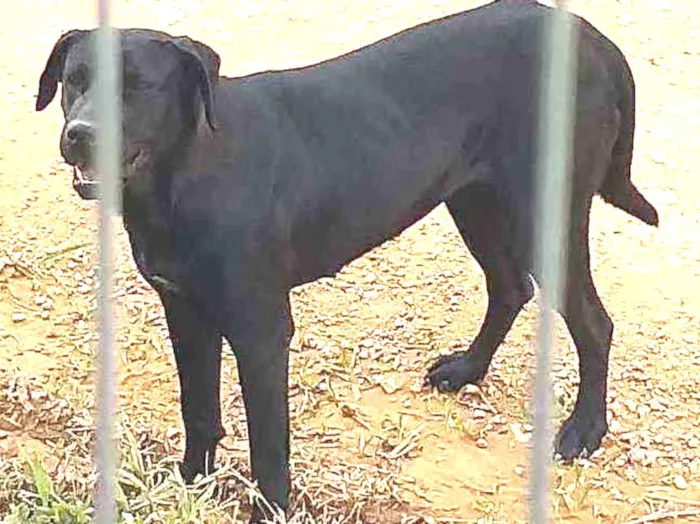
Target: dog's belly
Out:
[342,230]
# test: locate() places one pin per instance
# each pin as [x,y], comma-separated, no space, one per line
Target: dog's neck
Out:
[147,214]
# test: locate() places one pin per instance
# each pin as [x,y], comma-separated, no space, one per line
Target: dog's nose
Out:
[78,140]
[79,131]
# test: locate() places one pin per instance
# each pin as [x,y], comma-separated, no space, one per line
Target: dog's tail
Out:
[617,188]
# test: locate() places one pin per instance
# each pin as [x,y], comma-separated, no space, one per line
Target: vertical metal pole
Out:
[107,79]
[554,162]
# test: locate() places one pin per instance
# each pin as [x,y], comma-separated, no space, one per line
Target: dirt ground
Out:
[365,338]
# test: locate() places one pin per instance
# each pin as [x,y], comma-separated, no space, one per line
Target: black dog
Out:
[237,190]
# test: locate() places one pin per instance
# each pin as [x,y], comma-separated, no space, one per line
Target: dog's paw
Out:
[452,372]
[188,472]
[580,436]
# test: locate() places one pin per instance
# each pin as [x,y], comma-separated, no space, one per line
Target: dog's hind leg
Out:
[589,324]
[592,330]
[486,229]
[197,347]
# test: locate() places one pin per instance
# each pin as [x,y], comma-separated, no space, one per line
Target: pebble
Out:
[656,405]
[637,455]
[18,317]
[694,443]
[471,389]
[479,413]
[680,482]
[643,411]
[481,443]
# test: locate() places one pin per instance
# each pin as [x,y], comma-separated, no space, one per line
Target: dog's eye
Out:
[78,79]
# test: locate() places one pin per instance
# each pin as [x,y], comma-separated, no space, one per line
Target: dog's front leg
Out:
[262,352]
[197,347]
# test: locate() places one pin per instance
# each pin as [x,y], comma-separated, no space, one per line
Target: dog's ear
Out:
[48,83]
[205,62]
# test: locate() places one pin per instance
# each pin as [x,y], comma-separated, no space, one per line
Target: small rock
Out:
[479,413]
[680,482]
[694,443]
[521,436]
[471,389]
[643,411]
[519,470]
[18,317]
[481,443]
[44,315]
[655,405]
[39,300]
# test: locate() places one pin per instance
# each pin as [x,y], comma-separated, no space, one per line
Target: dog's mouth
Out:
[86,179]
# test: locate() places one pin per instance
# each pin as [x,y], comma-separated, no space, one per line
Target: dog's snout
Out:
[77,142]
[79,131]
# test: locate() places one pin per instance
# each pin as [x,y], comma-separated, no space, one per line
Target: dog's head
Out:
[165,82]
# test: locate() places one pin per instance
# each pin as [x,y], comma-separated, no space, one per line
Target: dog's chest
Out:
[156,266]
[154,259]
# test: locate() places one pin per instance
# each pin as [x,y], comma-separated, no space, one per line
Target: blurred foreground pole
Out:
[555,146]
[107,79]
